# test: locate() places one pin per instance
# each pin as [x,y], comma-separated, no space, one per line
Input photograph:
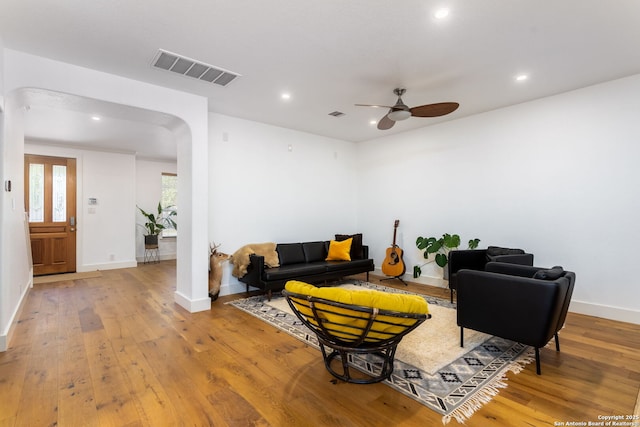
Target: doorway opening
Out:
[50,200]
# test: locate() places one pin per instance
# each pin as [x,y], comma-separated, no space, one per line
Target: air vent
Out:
[336,114]
[188,67]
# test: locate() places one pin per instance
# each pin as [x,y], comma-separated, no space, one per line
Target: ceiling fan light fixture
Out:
[399,115]
[400,111]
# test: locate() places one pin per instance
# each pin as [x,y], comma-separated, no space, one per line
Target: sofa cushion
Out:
[342,322]
[314,251]
[339,251]
[552,273]
[336,266]
[404,303]
[294,271]
[290,253]
[357,251]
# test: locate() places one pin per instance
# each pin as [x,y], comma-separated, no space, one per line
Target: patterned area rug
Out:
[430,366]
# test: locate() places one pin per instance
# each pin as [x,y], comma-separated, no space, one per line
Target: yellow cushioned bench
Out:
[356,321]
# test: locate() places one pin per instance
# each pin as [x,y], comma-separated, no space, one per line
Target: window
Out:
[169,201]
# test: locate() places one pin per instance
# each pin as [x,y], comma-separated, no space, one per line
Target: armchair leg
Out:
[557,342]
[461,336]
[451,296]
[538,361]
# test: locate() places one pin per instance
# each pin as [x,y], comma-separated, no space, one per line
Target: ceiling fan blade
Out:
[375,106]
[434,110]
[385,123]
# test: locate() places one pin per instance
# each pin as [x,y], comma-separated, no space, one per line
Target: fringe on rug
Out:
[484,396]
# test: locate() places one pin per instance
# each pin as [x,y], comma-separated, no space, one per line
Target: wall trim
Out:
[605,311]
[161,257]
[5,338]
[192,306]
[580,307]
[437,282]
[106,266]
[234,288]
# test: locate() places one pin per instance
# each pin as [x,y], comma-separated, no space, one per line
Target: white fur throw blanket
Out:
[240,258]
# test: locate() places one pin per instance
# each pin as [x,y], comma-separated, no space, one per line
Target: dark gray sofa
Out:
[305,262]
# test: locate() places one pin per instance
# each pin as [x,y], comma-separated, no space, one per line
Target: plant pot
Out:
[416,271]
[151,240]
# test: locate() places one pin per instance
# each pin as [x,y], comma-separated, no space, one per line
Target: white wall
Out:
[148,194]
[105,235]
[16,273]
[109,233]
[557,177]
[271,184]
[27,71]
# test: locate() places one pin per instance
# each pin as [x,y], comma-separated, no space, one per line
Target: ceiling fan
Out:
[401,112]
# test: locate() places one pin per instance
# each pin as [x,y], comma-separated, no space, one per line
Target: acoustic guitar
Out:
[393,265]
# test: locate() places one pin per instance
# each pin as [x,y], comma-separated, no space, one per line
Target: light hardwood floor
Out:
[116,350]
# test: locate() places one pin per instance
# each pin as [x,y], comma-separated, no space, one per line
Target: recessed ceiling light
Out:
[521,77]
[285,96]
[373,122]
[96,118]
[441,13]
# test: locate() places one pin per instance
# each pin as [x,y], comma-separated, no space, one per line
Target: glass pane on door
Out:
[59,196]
[36,192]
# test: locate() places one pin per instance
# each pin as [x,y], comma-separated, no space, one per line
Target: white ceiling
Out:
[329,55]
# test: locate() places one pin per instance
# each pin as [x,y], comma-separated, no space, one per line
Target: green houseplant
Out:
[441,248]
[156,222]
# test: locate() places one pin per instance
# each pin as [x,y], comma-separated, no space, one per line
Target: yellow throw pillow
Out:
[339,251]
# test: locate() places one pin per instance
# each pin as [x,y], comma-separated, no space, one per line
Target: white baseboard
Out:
[106,266]
[5,337]
[438,282]
[161,257]
[234,288]
[192,306]
[580,307]
[605,311]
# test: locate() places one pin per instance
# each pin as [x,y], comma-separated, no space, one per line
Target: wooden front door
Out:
[50,199]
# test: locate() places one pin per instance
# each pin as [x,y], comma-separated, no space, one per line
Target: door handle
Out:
[72,221]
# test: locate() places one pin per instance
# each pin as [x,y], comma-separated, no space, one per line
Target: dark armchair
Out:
[477,259]
[521,303]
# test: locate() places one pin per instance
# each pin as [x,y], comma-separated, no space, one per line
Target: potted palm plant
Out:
[156,222]
[441,248]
